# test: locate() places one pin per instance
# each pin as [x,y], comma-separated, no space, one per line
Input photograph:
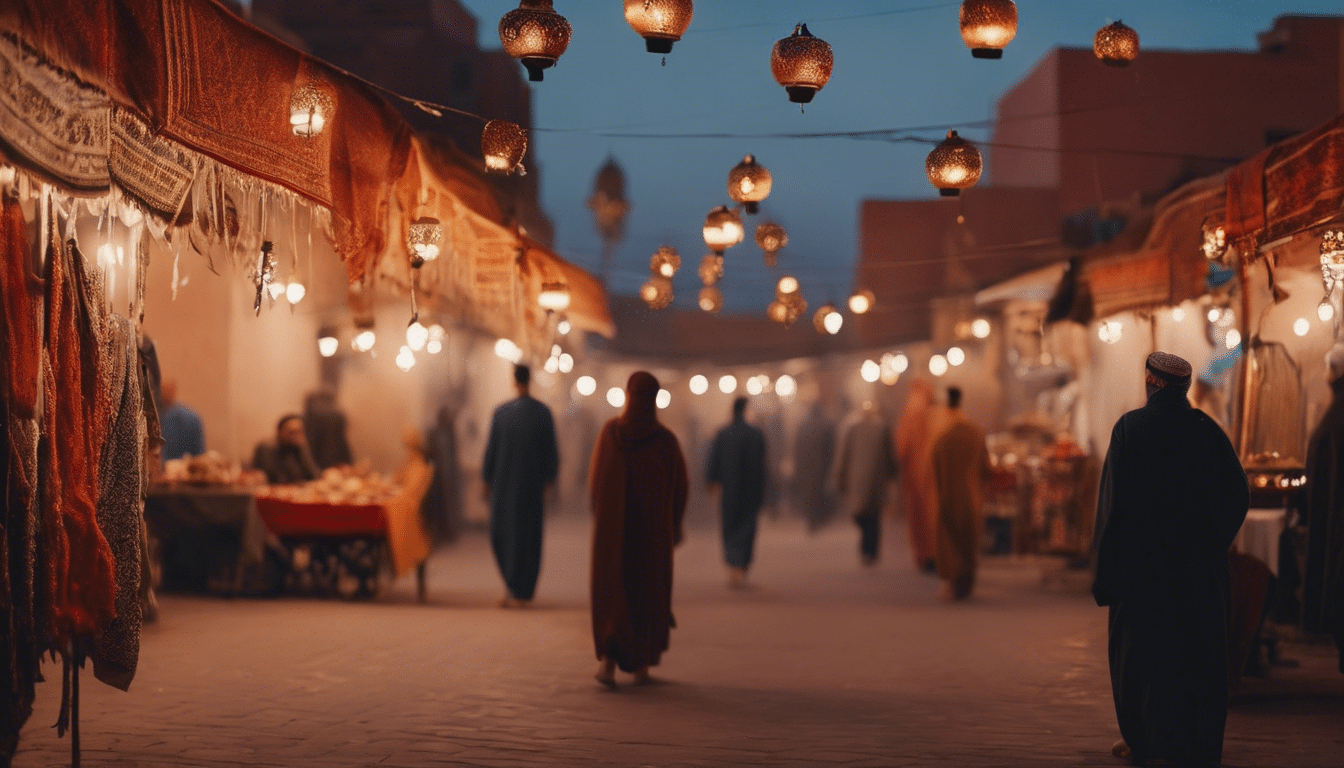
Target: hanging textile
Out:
[154,172]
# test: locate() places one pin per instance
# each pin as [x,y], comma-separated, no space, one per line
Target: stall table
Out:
[205,534]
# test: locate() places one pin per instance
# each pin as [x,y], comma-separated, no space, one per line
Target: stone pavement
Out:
[821,663]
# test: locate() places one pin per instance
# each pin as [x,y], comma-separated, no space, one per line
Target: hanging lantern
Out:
[666,261]
[417,336]
[656,292]
[1332,259]
[422,240]
[771,237]
[660,22]
[711,269]
[554,297]
[861,301]
[802,64]
[711,299]
[778,311]
[309,110]
[749,183]
[503,144]
[295,291]
[789,304]
[1215,243]
[954,165]
[1116,44]
[536,35]
[787,286]
[723,229]
[828,320]
[987,26]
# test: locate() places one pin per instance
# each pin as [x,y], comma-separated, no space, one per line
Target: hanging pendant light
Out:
[802,64]
[771,237]
[295,291]
[723,229]
[828,319]
[660,22]
[656,292]
[749,183]
[503,144]
[554,297]
[1116,44]
[711,269]
[987,26]
[861,301]
[665,261]
[536,35]
[953,165]
[422,240]
[711,299]
[309,110]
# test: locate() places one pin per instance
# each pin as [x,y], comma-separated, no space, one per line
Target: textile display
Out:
[155,172]
[1290,187]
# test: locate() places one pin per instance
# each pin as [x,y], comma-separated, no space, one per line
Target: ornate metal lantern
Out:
[1332,259]
[828,319]
[723,229]
[954,165]
[802,64]
[554,297]
[665,262]
[861,301]
[660,22]
[789,304]
[711,299]
[503,144]
[536,35]
[422,240]
[309,110]
[771,237]
[656,292]
[1215,243]
[1116,44]
[987,26]
[749,183]
[711,269]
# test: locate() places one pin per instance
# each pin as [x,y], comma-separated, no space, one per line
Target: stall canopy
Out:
[146,94]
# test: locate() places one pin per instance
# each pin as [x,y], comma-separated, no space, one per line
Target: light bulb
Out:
[956,356]
[728,384]
[586,385]
[785,386]
[616,397]
[276,290]
[563,327]
[436,332]
[363,341]
[664,398]
[1301,326]
[434,347]
[416,336]
[1325,310]
[1177,314]
[1233,339]
[754,386]
[699,385]
[833,322]
[327,345]
[565,362]
[405,359]
[295,292]
[552,365]
[870,371]
[1214,314]
[900,363]
[938,365]
[980,328]
[507,350]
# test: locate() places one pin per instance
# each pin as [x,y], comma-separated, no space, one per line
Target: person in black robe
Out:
[737,470]
[1173,495]
[1323,580]
[521,461]
[324,425]
[442,505]
[814,445]
[287,460]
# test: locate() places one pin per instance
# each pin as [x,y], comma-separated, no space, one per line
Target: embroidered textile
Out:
[153,171]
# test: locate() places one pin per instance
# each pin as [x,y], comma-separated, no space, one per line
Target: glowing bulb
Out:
[699,385]
[938,365]
[405,359]
[563,327]
[788,284]
[327,345]
[890,377]
[586,385]
[900,363]
[416,336]
[1233,339]
[956,356]
[616,397]
[363,341]
[754,386]
[664,399]
[1214,314]
[552,365]
[861,302]
[980,328]
[1177,314]
[295,292]
[1301,326]
[506,349]
[434,347]
[565,361]
[106,256]
[276,290]
[785,386]
[728,384]
[870,371]
[833,322]
[436,332]
[1325,311]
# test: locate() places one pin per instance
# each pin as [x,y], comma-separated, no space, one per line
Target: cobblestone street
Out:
[821,662]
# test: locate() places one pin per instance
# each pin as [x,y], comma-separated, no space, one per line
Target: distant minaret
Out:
[609,210]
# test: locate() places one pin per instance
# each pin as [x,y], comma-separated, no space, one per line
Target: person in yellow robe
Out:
[960,466]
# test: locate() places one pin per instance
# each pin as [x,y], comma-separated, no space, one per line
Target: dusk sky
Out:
[899,64]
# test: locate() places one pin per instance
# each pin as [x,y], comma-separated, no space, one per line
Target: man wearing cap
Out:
[1173,495]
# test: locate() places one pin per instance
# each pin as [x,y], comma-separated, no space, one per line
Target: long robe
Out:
[864,465]
[1323,582]
[1173,495]
[813,447]
[737,465]
[914,446]
[960,465]
[639,489]
[521,459]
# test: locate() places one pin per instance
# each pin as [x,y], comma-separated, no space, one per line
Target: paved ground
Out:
[821,663]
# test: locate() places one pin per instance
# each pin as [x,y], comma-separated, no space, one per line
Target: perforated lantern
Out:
[309,110]
[503,144]
[749,183]
[771,237]
[711,299]
[711,269]
[656,292]
[665,261]
[828,319]
[954,165]
[536,35]
[422,240]
[1116,44]
[987,26]
[554,297]
[660,22]
[861,301]
[1332,259]
[723,229]
[802,64]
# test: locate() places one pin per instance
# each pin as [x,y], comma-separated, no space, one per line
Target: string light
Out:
[616,397]
[1301,326]
[294,292]
[749,183]
[586,385]
[405,359]
[861,301]
[663,400]
[987,26]
[870,371]
[956,356]
[309,109]
[327,346]
[802,64]
[728,384]
[723,229]
[938,365]
[417,336]
[980,328]
[422,240]
[503,144]
[698,384]
[954,165]
[786,387]
[660,22]
[536,35]
[364,341]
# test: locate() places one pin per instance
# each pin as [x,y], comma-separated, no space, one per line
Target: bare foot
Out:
[642,676]
[606,674]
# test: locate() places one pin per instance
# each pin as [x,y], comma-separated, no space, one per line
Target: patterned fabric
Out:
[156,172]
[1169,367]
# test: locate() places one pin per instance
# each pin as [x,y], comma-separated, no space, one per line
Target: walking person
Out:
[960,466]
[1173,495]
[813,449]
[914,445]
[737,471]
[638,489]
[521,461]
[864,467]
[1323,583]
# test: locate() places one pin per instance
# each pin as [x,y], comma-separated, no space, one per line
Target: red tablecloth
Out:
[295,519]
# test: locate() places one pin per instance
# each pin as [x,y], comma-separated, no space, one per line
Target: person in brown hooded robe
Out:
[639,486]
[919,493]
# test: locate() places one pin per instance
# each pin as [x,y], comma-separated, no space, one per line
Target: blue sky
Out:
[898,63]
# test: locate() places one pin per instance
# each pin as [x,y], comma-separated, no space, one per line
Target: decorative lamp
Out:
[1116,44]
[422,240]
[987,26]
[310,108]
[503,144]
[749,183]
[405,359]
[828,320]
[871,371]
[711,269]
[723,229]
[980,328]
[295,291]
[666,261]
[771,237]
[554,297]
[1332,259]
[802,64]
[327,343]
[861,301]
[1215,243]
[536,35]
[954,165]
[364,340]
[660,22]
[656,292]
[417,336]
[787,286]
[711,299]
[778,311]
[1325,310]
